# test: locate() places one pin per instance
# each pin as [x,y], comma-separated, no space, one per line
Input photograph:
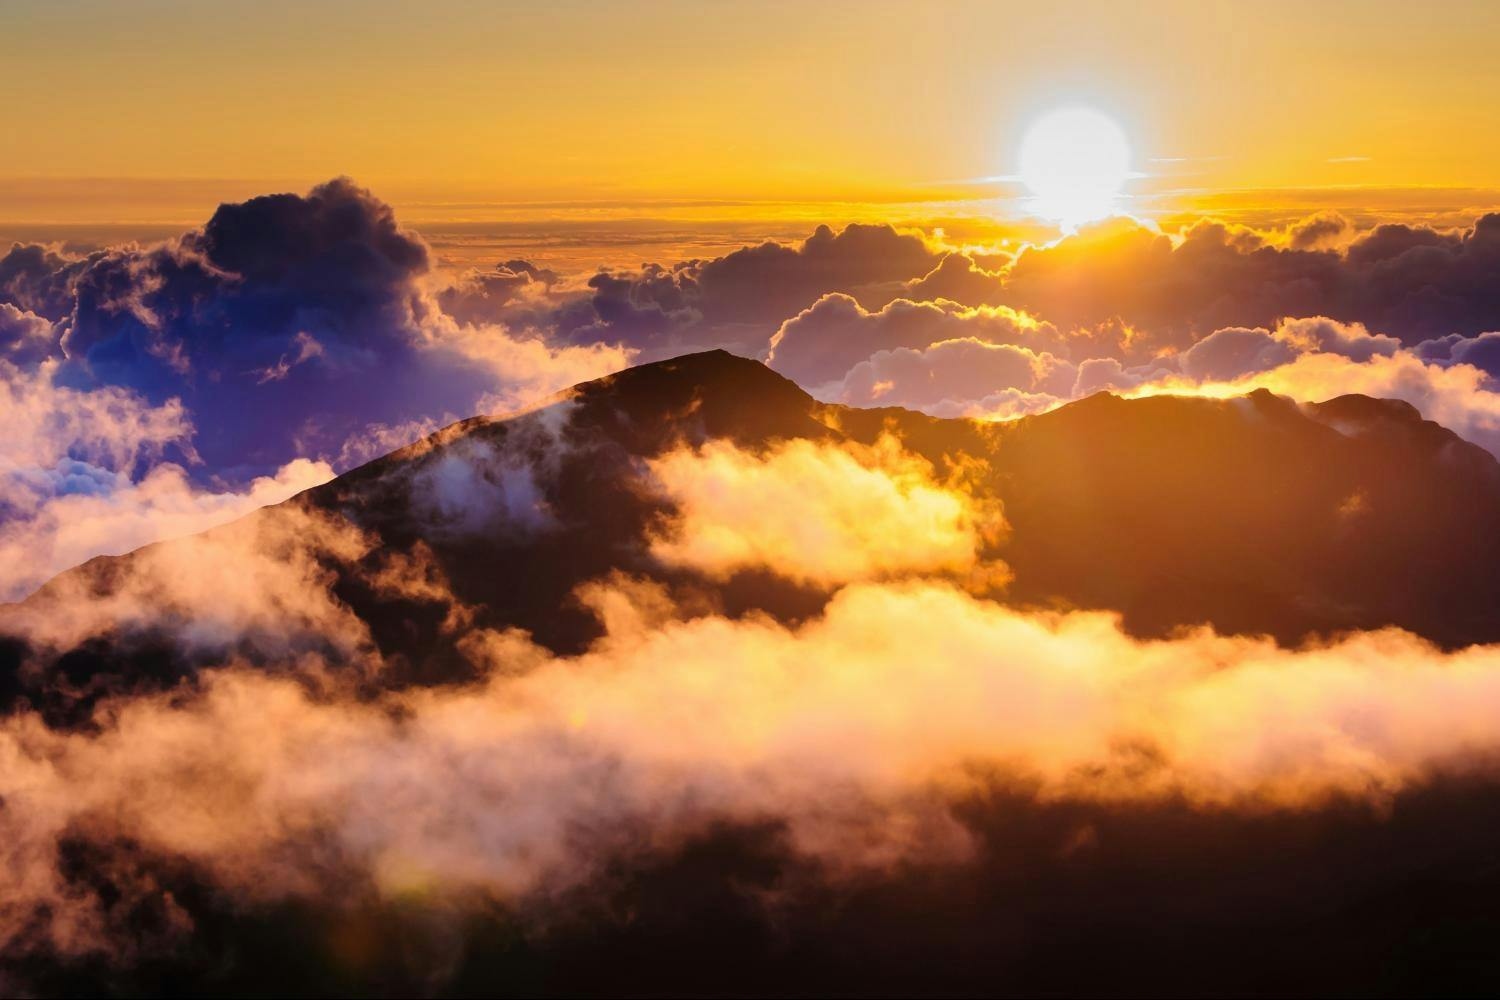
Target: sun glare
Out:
[1075,162]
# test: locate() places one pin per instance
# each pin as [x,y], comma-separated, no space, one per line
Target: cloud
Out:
[90,472]
[512,292]
[820,514]
[1482,352]
[110,426]
[1456,396]
[86,511]
[25,337]
[952,374]
[149,391]
[1230,353]
[317,313]
[949,360]
[738,300]
[481,486]
[862,730]
[961,278]
[1411,282]
[262,581]
[878,734]
[821,344]
[1319,231]
[36,279]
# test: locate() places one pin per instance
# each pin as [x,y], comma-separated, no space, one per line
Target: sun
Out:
[1075,161]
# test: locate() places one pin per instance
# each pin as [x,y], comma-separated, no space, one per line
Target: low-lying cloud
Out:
[861,730]
[821,514]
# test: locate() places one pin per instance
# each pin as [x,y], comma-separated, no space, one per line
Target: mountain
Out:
[1253,515]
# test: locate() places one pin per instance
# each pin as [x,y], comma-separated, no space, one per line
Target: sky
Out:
[155,112]
[940,438]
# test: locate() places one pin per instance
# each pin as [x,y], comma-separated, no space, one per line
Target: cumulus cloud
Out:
[738,300]
[150,391]
[513,292]
[158,391]
[950,360]
[111,426]
[25,337]
[317,313]
[952,374]
[1316,359]
[1235,351]
[1318,231]
[1410,282]
[821,344]
[866,731]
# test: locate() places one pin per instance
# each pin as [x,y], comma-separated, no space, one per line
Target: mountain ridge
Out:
[1252,515]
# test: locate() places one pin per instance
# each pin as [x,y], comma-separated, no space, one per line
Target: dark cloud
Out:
[513,291]
[822,343]
[36,278]
[1319,230]
[1482,352]
[1233,351]
[285,325]
[1410,282]
[738,300]
[25,337]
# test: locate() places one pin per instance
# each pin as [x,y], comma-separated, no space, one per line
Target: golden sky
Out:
[156,110]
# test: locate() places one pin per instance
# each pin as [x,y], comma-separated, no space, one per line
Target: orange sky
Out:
[156,111]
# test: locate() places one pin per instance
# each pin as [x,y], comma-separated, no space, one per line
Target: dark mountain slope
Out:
[1253,515]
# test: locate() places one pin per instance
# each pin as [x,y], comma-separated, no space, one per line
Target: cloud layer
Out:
[863,730]
[874,733]
[315,328]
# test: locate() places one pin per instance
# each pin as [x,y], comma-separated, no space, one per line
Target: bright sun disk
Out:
[1075,162]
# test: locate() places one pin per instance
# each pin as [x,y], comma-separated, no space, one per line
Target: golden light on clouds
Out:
[659,498]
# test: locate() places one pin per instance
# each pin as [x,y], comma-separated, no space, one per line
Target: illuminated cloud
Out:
[880,734]
[818,514]
[954,374]
[1409,282]
[821,344]
[1227,354]
[262,582]
[47,422]
[85,511]
[956,361]
[862,730]
[1458,397]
